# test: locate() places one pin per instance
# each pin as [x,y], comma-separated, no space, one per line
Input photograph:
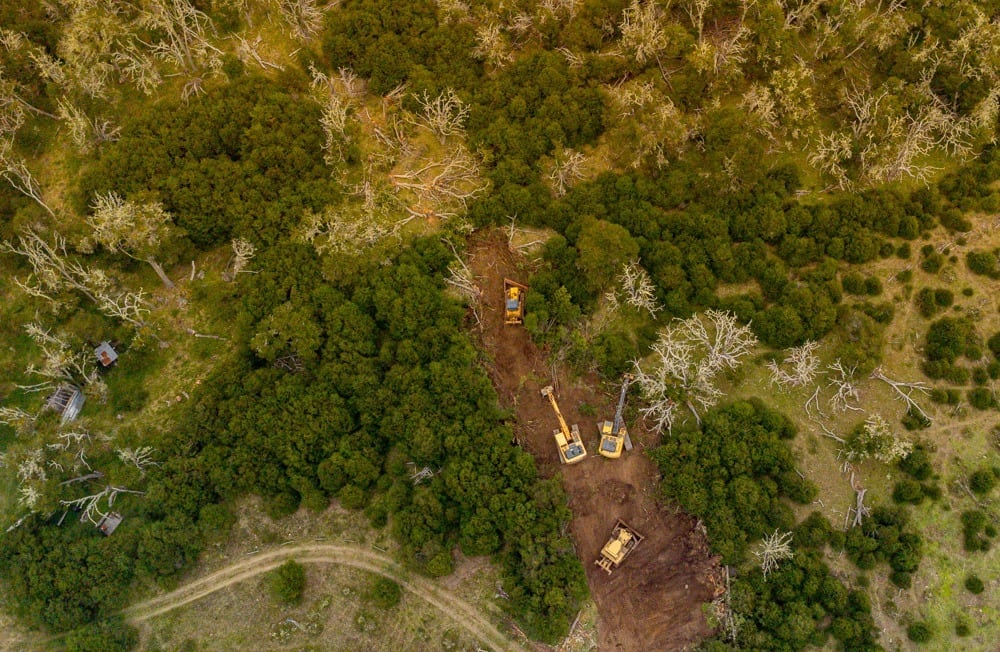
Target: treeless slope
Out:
[463,613]
[653,602]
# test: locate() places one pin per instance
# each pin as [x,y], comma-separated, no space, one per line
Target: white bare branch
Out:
[845,391]
[904,392]
[141,457]
[804,365]
[773,549]
[567,169]
[638,288]
[688,357]
[444,115]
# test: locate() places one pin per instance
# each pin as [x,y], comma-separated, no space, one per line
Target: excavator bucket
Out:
[513,302]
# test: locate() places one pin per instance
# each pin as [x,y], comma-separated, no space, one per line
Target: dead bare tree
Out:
[687,360]
[567,169]
[60,363]
[859,511]
[442,186]
[17,418]
[140,458]
[643,35]
[335,115]
[53,270]
[845,391]
[303,17]
[243,251]
[84,131]
[136,230]
[16,172]
[249,52]
[638,288]
[904,392]
[492,45]
[183,33]
[773,549]
[444,114]
[804,365]
[90,505]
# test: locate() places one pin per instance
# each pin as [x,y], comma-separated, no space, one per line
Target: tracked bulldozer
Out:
[513,302]
[614,434]
[621,544]
[568,441]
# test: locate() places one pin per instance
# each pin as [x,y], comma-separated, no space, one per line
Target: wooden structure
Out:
[106,354]
[109,522]
[67,400]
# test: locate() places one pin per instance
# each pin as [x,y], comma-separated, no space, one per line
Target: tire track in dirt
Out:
[463,613]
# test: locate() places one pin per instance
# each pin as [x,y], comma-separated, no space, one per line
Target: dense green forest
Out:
[318,167]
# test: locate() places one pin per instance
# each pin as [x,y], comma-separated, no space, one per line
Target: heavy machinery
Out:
[568,440]
[621,544]
[614,434]
[513,302]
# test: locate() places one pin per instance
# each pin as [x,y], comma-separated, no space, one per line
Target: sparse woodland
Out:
[262,204]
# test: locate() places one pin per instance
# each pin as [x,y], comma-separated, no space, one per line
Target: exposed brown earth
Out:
[653,601]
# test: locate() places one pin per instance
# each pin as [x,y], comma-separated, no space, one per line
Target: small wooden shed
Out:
[67,400]
[109,522]
[106,354]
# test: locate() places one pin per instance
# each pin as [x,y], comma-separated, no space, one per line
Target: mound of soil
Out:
[653,601]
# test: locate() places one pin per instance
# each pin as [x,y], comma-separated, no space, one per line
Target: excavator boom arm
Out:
[621,405]
[562,422]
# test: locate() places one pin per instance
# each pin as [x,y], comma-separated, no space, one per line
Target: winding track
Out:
[455,608]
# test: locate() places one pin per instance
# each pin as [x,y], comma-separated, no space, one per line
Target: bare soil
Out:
[653,601]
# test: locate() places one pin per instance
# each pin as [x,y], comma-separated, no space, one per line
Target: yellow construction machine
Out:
[513,302]
[621,544]
[614,434]
[568,440]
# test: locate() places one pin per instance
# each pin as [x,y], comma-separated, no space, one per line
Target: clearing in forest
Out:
[653,601]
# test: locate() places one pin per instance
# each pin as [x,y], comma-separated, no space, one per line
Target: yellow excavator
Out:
[513,302]
[614,434]
[568,440]
[621,544]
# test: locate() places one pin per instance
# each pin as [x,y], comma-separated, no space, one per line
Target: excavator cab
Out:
[513,302]
[568,440]
[614,435]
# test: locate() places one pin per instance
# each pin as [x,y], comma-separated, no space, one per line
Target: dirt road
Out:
[653,602]
[463,613]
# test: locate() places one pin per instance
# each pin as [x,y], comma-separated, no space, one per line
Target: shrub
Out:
[920,632]
[943,297]
[974,585]
[873,286]
[903,251]
[902,579]
[287,582]
[980,375]
[905,276]
[908,491]
[925,303]
[984,263]
[384,593]
[963,628]
[982,481]
[853,283]
[932,261]
[917,464]
[994,344]
[981,398]
[967,292]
